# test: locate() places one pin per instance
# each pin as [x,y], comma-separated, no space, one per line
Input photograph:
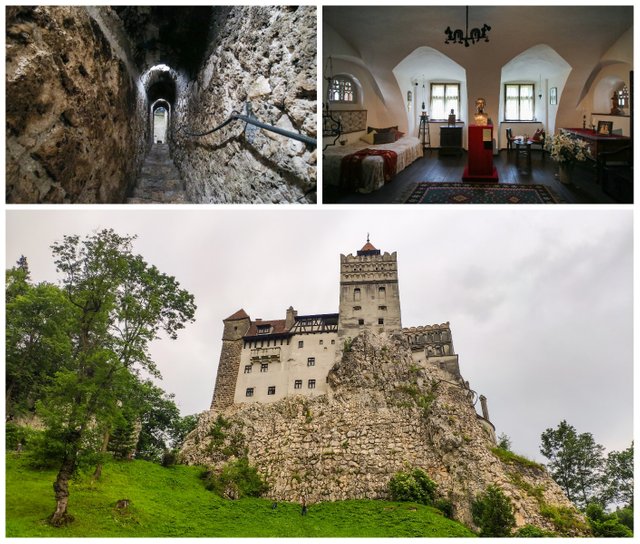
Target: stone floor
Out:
[159,181]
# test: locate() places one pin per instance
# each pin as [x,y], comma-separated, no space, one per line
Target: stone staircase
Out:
[159,181]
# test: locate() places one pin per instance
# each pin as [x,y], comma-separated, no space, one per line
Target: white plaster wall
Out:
[291,366]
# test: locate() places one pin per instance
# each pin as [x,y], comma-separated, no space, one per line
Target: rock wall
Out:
[267,56]
[383,414]
[75,119]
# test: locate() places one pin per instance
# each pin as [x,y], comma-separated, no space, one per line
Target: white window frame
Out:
[519,101]
[448,102]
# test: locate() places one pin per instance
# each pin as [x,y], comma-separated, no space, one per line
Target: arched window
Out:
[382,293]
[342,90]
[356,294]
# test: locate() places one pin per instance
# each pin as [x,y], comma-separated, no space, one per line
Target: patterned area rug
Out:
[485,193]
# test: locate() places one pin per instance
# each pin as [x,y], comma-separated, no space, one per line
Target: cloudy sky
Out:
[540,301]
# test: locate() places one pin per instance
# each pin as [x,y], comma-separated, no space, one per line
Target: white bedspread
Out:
[408,148]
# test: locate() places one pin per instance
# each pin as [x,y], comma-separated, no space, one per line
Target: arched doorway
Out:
[160,118]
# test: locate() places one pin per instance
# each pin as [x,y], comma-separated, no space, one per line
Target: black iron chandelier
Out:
[476,34]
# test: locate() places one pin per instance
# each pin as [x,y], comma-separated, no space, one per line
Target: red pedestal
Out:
[480,165]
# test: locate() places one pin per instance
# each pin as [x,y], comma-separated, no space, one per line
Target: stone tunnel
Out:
[109,104]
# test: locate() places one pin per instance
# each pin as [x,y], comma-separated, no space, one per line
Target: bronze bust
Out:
[480,117]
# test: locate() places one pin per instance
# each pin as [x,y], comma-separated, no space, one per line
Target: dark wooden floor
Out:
[583,190]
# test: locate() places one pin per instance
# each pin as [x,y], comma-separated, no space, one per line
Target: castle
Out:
[268,360]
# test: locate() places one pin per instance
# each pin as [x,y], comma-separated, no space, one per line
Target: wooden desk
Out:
[598,143]
[450,141]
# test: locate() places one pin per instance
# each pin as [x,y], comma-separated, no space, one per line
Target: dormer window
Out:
[264,329]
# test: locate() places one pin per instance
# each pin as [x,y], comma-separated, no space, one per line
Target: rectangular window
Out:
[297,384]
[518,101]
[444,98]
[311,384]
[271,390]
[249,392]
[321,342]
[383,308]
[381,321]
[264,367]
[333,342]
[311,361]
[360,321]
[264,329]
[300,344]
[247,369]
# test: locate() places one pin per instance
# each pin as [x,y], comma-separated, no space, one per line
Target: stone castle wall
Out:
[267,56]
[75,118]
[383,414]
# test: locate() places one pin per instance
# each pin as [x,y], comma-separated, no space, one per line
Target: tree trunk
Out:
[105,444]
[61,488]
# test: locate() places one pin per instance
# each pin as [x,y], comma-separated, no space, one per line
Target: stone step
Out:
[159,180]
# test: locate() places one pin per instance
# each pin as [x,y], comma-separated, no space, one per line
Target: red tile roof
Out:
[278,326]
[368,247]
[240,314]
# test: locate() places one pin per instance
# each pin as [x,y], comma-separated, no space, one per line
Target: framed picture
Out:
[553,96]
[605,128]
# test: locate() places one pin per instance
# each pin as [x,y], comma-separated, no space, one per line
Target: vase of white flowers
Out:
[566,151]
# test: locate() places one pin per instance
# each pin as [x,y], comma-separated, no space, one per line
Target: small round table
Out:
[523,151]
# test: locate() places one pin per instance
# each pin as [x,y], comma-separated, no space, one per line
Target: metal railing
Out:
[249,119]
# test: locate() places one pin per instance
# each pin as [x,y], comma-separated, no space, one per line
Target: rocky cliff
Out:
[383,414]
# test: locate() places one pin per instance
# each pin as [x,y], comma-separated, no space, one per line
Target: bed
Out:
[372,177]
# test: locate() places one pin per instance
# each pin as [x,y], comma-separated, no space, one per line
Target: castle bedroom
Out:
[469,105]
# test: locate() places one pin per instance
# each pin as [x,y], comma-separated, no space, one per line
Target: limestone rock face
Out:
[75,132]
[265,55]
[382,414]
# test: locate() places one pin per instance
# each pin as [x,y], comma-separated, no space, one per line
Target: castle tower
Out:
[235,327]
[369,295]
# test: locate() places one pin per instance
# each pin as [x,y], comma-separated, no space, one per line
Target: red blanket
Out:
[351,167]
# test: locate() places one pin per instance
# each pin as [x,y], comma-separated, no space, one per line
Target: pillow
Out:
[384,137]
[398,134]
[368,138]
[539,135]
[386,129]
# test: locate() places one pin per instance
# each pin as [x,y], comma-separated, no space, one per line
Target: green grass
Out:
[172,502]
[515,459]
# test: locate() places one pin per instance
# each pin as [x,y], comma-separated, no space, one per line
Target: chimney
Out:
[291,318]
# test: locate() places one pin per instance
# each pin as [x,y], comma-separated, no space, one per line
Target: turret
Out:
[369,295]
[235,327]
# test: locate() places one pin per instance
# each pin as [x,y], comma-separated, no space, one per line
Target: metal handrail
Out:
[236,116]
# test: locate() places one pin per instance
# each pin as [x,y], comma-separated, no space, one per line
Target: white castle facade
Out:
[268,360]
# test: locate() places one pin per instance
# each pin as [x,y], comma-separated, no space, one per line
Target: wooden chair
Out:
[510,139]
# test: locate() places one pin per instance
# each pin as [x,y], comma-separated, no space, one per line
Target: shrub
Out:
[493,513]
[18,434]
[565,520]
[169,458]
[515,459]
[413,486]
[605,525]
[235,480]
[531,531]
[445,506]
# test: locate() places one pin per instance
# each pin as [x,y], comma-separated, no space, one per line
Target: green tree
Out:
[120,304]
[575,462]
[492,512]
[504,442]
[618,477]
[605,525]
[37,343]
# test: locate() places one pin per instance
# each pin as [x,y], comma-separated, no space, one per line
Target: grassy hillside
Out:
[173,502]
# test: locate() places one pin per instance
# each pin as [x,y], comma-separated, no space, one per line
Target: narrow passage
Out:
[159,180]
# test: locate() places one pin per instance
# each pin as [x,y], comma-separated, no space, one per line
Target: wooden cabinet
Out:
[450,141]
